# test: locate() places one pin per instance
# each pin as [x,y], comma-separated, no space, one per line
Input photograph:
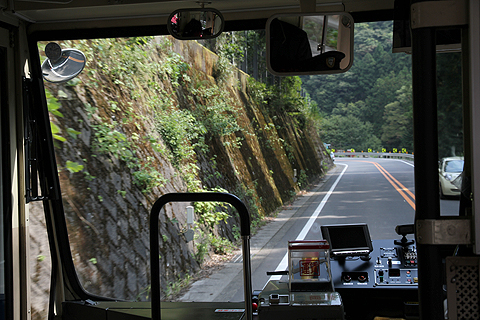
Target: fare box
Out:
[309,265]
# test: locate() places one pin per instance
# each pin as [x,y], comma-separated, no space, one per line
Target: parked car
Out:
[449,169]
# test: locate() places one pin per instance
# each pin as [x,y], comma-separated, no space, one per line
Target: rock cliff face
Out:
[130,131]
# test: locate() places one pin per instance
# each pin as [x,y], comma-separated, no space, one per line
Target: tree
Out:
[384,92]
[398,127]
[346,132]
[449,104]
[365,90]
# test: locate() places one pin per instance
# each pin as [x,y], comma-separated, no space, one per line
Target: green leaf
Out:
[73,133]
[59,138]
[74,166]
[55,131]
[53,104]
[73,82]
[62,94]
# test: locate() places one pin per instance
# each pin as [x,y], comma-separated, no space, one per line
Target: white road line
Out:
[410,163]
[283,265]
[406,162]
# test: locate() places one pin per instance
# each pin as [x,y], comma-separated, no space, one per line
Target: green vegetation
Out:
[147,112]
[53,108]
[174,287]
[449,101]
[353,104]
[74,166]
[370,106]
[110,141]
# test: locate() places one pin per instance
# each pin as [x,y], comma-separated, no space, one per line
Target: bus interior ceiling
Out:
[33,21]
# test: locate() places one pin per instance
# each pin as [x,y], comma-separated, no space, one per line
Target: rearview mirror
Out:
[301,44]
[195,24]
[62,65]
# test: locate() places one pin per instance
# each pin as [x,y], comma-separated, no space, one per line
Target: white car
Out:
[449,169]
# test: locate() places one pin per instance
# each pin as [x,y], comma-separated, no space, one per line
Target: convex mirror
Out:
[313,43]
[195,24]
[62,64]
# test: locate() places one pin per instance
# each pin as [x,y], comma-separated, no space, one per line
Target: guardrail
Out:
[388,155]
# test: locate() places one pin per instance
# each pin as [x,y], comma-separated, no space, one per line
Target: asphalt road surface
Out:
[378,192]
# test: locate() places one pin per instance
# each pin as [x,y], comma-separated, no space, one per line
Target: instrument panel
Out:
[386,280]
[388,265]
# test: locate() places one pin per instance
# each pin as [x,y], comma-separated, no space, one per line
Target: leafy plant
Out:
[74,166]
[236,232]
[55,132]
[73,133]
[302,179]
[212,213]
[181,132]
[202,246]
[145,292]
[221,245]
[53,104]
[174,287]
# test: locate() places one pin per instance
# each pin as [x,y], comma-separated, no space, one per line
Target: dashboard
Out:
[388,266]
[362,280]
[384,283]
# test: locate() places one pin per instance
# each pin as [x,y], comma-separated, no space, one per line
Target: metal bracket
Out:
[447,231]
[439,14]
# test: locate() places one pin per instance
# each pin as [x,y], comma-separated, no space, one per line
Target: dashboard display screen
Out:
[348,239]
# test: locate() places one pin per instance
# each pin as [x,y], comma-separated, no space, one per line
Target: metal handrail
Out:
[154,238]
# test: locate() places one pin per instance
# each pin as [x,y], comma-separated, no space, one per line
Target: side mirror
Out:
[195,24]
[312,43]
[62,65]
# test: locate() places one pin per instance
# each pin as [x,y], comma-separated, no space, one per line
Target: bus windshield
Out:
[149,116]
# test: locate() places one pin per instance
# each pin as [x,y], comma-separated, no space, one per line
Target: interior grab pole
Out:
[427,199]
[199,197]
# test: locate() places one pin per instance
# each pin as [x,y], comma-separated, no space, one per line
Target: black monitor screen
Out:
[347,238]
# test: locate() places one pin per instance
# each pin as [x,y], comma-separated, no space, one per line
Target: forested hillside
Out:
[370,106]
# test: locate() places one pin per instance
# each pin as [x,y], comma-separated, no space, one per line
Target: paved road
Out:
[379,192]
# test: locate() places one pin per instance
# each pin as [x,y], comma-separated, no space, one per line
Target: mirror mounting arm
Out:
[324,35]
[202,3]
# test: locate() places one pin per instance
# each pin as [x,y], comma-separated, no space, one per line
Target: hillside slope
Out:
[149,116]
